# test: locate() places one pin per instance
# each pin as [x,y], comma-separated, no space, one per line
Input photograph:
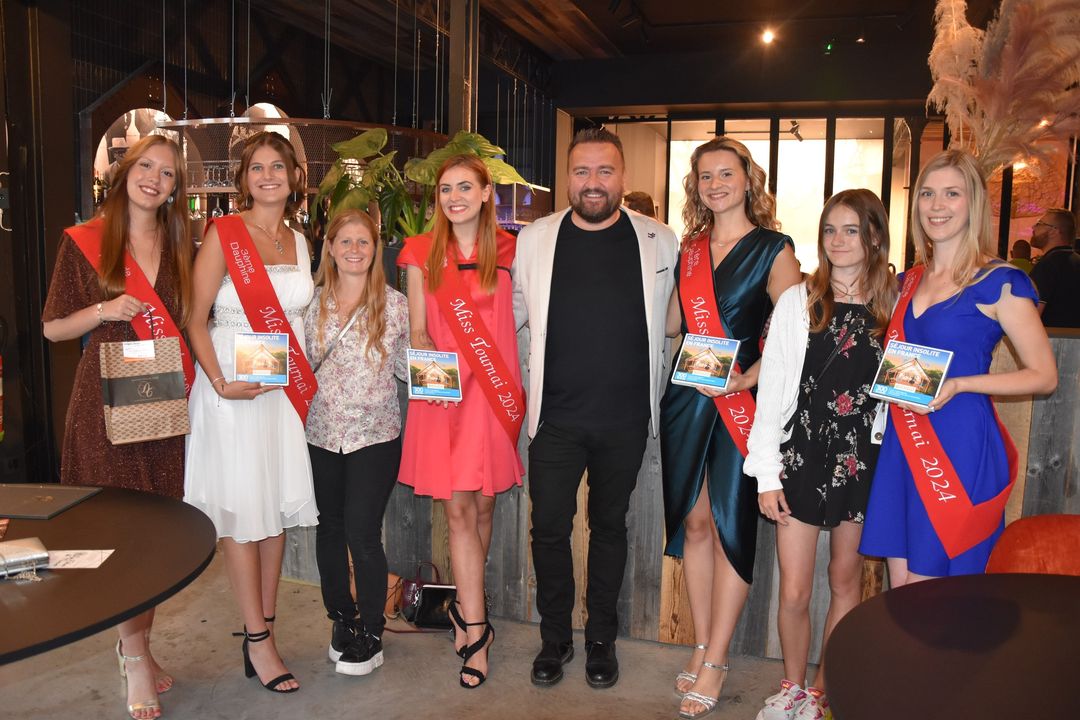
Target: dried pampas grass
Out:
[1006,90]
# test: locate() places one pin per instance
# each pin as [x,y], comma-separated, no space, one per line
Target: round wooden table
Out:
[160,546]
[975,646]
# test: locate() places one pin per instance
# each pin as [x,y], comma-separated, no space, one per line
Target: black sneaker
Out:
[362,656]
[342,634]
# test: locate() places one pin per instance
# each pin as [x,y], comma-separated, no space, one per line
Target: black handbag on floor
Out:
[427,604]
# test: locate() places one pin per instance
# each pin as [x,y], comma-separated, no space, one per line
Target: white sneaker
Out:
[814,707]
[785,704]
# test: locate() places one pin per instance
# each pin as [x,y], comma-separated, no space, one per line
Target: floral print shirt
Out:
[357,401]
[829,460]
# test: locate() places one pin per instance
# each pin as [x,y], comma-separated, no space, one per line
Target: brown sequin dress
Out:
[89,458]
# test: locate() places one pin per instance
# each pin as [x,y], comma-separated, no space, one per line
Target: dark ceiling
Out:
[597,29]
[594,29]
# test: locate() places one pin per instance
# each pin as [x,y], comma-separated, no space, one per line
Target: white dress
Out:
[247,463]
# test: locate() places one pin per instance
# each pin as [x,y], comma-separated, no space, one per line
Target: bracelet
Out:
[100,319]
[213,383]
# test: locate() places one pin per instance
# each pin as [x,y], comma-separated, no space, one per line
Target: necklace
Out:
[844,291]
[272,236]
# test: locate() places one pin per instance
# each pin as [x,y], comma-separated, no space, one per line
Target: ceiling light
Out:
[1017,166]
[768,36]
[829,45]
[1045,122]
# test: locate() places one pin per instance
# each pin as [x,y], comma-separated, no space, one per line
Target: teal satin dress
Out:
[694,442]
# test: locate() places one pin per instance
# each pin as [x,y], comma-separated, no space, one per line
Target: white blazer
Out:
[533,264]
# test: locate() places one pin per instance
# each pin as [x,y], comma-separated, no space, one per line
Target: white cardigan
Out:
[778,387]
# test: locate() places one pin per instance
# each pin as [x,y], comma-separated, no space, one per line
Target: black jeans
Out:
[557,458]
[351,491]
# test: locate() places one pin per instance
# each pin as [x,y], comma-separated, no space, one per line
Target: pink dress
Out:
[463,447]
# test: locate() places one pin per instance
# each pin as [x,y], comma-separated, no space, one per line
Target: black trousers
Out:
[351,491]
[557,458]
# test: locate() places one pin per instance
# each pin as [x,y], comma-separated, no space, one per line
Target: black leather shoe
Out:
[547,667]
[601,665]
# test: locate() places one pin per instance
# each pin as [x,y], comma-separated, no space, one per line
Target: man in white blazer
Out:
[593,284]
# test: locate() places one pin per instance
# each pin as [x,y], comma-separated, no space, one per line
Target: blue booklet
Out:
[910,373]
[261,358]
[433,375]
[705,361]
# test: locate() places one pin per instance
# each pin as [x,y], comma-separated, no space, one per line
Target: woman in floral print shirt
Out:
[353,430]
[812,447]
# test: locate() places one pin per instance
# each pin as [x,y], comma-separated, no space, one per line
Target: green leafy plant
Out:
[363,174]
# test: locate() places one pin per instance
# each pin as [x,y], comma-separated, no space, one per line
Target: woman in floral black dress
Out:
[812,448]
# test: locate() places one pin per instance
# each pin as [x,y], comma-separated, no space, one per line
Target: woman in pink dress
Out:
[465,453]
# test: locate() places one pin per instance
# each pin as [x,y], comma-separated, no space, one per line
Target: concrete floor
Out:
[417,682]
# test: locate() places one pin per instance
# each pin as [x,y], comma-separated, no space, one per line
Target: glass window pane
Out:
[645,148]
[857,158]
[898,203]
[800,183]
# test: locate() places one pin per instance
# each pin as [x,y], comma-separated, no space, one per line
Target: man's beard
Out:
[603,212]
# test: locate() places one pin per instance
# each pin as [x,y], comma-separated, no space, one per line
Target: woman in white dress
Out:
[247,461]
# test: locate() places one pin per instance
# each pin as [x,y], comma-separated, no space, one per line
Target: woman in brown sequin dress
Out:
[144,214]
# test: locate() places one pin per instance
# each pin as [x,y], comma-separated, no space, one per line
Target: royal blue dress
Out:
[896,521]
[694,442]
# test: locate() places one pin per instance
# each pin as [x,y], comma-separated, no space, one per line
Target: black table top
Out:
[160,546]
[974,646]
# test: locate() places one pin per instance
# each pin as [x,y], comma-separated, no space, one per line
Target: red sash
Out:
[156,322]
[959,524]
[697,295]
[476,342]
[262,307]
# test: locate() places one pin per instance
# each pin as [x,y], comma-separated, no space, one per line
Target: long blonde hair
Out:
[977,242]
[759,203]
[487,250]
[172,220]
[878,283]
[373,298]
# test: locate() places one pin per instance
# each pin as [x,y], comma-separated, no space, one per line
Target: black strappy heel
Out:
[249,669]
[470,650]
[459,624]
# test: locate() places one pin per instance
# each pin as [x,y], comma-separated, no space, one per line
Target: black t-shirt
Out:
[596,361]
[1057,278]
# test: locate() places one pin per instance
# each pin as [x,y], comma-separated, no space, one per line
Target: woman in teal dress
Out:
[710,506]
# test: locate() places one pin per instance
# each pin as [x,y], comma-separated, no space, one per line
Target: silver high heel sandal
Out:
[688,676]
[707,703]
[138,707]
[159,679]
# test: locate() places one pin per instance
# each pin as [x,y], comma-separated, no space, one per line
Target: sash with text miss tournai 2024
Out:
[697,295]
[262,307]
[959,524]
[476,342]
[155,323]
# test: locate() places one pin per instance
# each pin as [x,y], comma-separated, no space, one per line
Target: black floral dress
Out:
[829,459]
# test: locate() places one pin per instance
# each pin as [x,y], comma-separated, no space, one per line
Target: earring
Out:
[169,200]
[294,197]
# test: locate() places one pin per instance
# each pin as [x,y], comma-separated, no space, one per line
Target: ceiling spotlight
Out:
[1045,122]
[768,36]
[861,37]
[830,44]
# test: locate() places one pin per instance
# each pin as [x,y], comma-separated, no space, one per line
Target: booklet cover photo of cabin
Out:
[705,361]
[433,375]
[910,373]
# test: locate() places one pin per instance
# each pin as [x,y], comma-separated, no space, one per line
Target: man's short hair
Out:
[641,202]
[1021,249]
[1066,223]
[596,135]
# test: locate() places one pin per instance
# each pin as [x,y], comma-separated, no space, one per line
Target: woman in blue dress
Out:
[964,302]
[710,505]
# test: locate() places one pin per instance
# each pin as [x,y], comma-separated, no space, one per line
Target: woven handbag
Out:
[143,392]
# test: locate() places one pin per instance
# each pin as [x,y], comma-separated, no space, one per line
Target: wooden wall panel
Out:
[1053,473]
